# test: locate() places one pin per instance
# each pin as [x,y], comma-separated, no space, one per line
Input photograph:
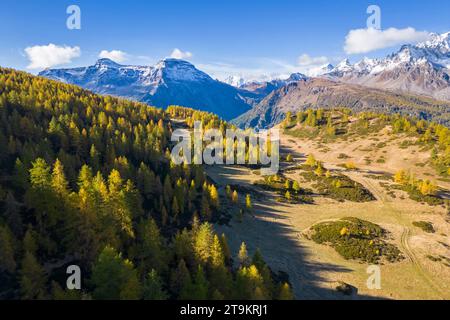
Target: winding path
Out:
[379,194]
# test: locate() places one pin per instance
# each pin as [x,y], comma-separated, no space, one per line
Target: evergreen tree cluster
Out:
[88,180]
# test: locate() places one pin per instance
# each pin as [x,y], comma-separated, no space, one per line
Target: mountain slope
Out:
[90,169]
[315,92]
[419,69]
[263,88]
[170,82]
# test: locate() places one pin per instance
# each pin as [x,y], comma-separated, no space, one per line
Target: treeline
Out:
[87,180]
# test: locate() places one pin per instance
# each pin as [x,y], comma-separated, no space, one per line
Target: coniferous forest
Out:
[87,180]
[154,154]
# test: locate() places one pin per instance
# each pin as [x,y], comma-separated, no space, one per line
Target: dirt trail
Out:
[276,229]
[406,249]
[273,233]
[386,201]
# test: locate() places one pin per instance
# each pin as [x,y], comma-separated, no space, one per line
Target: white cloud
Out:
[307,61]
[367,40]
[115,55]
[42,57]
[178,54]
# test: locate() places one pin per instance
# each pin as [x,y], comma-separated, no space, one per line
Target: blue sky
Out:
[252,38]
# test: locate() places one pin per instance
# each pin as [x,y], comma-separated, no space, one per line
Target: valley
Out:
[355,189]
[228,151]
[280,230]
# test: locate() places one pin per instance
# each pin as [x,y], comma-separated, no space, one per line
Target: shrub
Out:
[343,156]
[418,190]
[345,288]
[339,187]
[356,239]
[425,226]
[290,191]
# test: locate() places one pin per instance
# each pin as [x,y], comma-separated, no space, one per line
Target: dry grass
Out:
[278,228]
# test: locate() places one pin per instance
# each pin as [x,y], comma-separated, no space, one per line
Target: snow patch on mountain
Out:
[319,71]
[436,50]
[235,81]
[170,81]
[422,68]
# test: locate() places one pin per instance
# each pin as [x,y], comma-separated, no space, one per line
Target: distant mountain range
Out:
[264,88]
[413,81]
[422,69]
[419,69]
[325,93]
[170,82]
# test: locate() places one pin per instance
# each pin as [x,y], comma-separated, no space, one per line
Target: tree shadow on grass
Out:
[270,231]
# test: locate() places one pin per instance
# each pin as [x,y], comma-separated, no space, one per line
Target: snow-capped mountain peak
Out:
[240,82]
[235,81]
[321,70]
[423,68]
[365,65]
[341,68]
[170,81]
[296,77]
[179,70]
[344,65]
[105,62]
[440,42]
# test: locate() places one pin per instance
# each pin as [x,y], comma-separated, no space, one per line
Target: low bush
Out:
[343,156]
[425,226]
[339,187]
[289,190]
[416,195]
[356,239]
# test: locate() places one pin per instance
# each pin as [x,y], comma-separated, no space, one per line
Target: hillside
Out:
[87,180]
[316,92]
[353,190]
